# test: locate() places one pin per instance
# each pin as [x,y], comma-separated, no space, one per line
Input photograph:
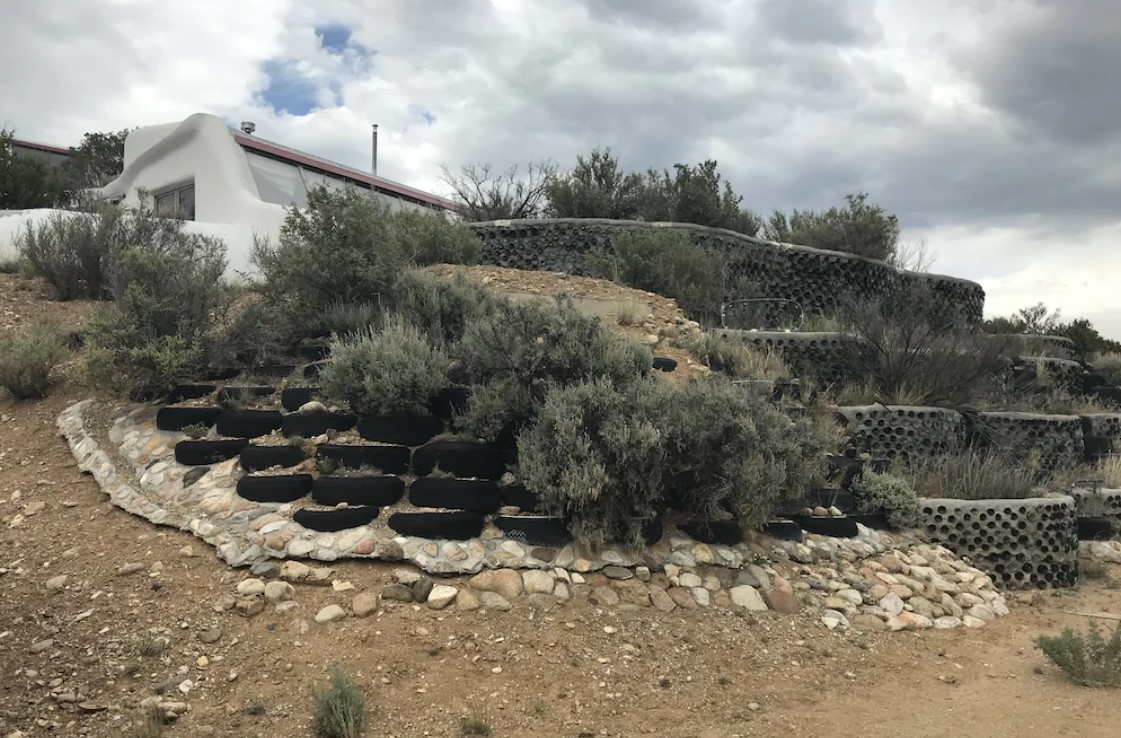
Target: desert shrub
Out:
[341,318]
[908,354]
[168,292]
[891,495]
[595,455]
[338,711]
[1108,365]
[349,247]
[11,265]
[737,359]
[390,370]
[1088,659]
[442,308]
[667,263]
[70,250]
[610,455]
[1109,471]
[727,448]
[27,361]
[256,336]
[429,238]
[523,348]
[972,475]
[860,228]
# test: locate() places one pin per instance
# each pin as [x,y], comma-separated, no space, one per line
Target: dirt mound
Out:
[651,319]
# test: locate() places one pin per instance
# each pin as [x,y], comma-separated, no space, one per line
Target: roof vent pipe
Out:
[248,126]
[374,162]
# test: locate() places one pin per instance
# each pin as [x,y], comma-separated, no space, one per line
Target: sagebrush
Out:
[442,308]
[393,369]
[339,711]
[972,475]
[890,495]
[28,360]
[1087,658]
[739,360]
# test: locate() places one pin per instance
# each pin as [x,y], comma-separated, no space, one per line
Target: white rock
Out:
[850,596]
[56,583]
[971,622]
[248,587]
[891,603]
[441,596]
[277,591]
[690,580]
[947,623]
[833,620]
[747,597]
[536,581]
[330,614]
[982,612]
[702,596]
[312,407]
[999,607]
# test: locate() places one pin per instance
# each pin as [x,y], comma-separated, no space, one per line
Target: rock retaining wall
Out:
[1019,543]
[819,280]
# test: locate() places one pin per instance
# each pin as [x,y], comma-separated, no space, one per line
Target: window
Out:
[177,203]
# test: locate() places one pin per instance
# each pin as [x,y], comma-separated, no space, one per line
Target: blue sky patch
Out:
[288,91]
[333,38]
[423,113]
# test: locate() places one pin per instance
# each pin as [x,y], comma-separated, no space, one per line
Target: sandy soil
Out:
[704,674]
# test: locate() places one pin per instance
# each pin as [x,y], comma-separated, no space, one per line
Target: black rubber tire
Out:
[652,531]
[258,458]
[455,494]
[406,430]
[518,496]
[249,423]
[311,371]
[331,521]
[387,459]
[535,530]
[380,491]
[449,402]
[314,352]
[279,488]
[293,398]
[231,393]
[205,451]
[178,418]
[310,425]
[1094,529]
[273,371]
[875,521]
[783,530]
[460,458]
[1107,392]
[190,392]
[843,527]
[1097,447]
[220,374]
[459,525]
[727,532]
[664,364]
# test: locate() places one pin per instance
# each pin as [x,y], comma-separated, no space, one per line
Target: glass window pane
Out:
[277,182]
[187,202]
[166,203]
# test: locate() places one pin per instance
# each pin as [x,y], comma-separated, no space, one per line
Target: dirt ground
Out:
[701,674]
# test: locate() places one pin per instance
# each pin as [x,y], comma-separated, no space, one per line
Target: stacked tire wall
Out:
[821,281]
[1030,543]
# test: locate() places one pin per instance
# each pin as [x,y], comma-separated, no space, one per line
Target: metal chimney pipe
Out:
[375,151]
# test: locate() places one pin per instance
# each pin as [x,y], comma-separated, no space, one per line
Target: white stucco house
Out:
[228,182]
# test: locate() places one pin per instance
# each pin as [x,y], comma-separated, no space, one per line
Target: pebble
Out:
[248,587]
[397,593]
[494,601]
[130,568]
[278,591]
[210,635]
[364,603]
[54,584]
[748,598]
[536,581]
[441,596]
[330,614]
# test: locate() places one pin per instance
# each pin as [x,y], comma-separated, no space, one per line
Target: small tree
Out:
[96,161]
[860,228]
[595,188]
[695,194]
[486,194]
[25,181]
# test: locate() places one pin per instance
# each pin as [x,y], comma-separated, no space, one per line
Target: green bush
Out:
[442,308]
[667,263]
[338,711]
[609,456]
[523,348]
[1088,659]
[390,370]
[341,318]
[858,228]
[168,294]
[70,252]
[27,361]
[347,247]
[257,336]
[727,448]
[891,495]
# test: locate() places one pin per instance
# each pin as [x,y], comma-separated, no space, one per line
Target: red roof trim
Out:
[41,147]
[375,182]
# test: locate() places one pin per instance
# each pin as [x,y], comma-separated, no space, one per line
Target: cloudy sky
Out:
[991,127]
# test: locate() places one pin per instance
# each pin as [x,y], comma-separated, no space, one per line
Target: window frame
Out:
[176,208]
